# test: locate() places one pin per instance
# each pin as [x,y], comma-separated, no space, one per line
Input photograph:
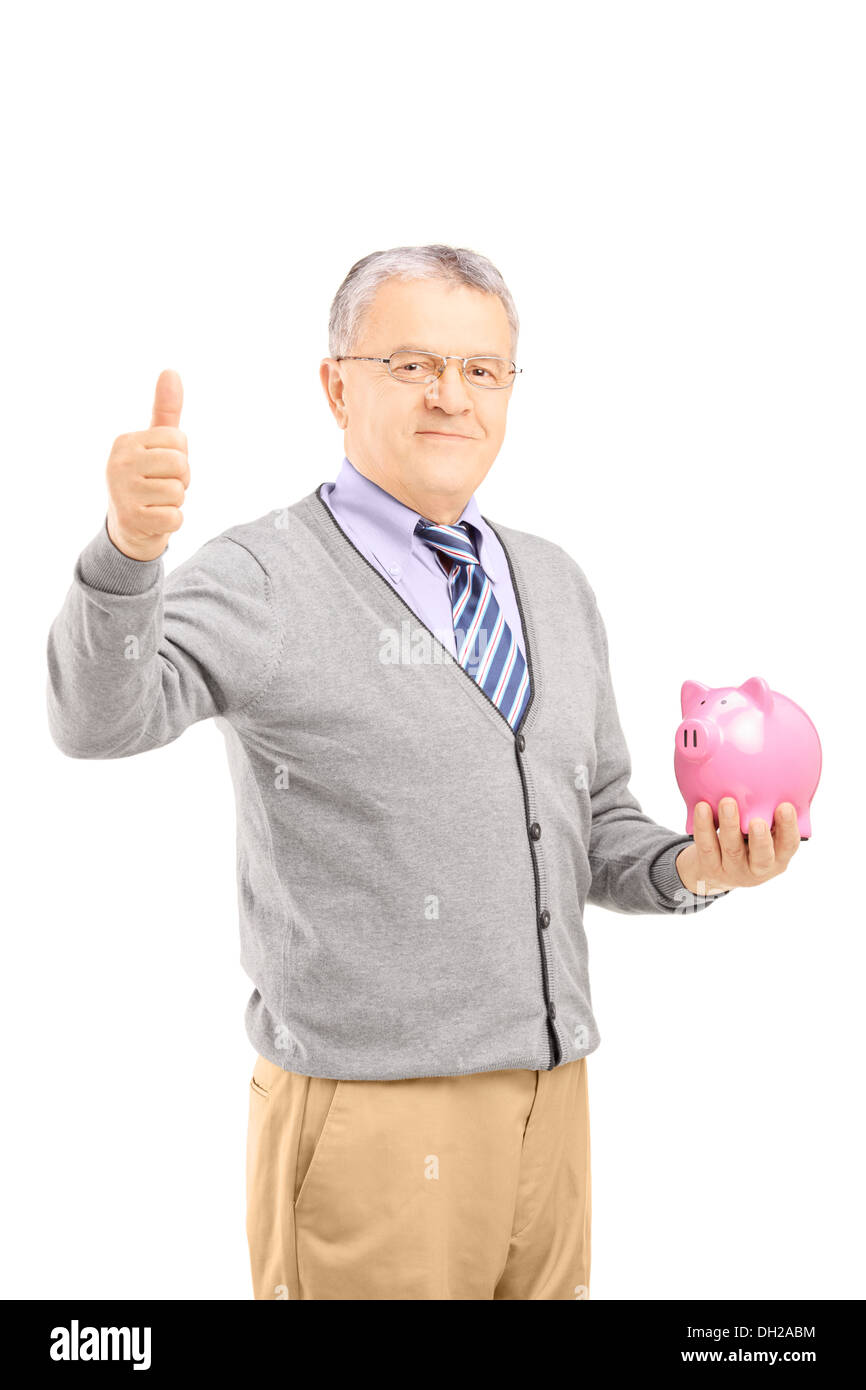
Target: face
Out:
[396,433]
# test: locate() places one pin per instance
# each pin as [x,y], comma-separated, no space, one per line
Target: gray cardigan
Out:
[412,872]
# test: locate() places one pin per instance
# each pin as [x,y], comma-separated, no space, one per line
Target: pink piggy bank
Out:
[749,742]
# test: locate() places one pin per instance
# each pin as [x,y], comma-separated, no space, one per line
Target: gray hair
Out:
[455,264]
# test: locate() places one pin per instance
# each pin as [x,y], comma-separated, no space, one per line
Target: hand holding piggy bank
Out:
[750,743]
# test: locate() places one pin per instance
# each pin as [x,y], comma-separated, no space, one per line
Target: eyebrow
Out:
[416,347]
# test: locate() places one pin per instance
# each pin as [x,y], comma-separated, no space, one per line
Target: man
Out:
[431,781]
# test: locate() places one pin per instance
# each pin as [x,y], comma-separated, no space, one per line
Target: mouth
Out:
[442,434]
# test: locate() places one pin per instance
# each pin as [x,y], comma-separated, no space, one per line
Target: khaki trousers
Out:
[443,1187]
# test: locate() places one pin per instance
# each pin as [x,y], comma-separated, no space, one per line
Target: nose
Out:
[695,740]
[451,386]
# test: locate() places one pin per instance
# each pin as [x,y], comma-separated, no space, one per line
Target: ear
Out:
[690,694]
[757,690]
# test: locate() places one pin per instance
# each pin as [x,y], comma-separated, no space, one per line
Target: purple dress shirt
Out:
[383,528]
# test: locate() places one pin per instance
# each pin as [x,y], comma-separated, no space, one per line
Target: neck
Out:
[443,510]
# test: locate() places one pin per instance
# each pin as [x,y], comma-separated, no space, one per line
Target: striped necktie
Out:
[486,646]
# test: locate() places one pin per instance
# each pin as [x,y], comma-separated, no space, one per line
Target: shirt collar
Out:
[392,523]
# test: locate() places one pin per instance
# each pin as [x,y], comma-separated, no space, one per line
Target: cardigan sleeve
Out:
[134,658]
[631,856]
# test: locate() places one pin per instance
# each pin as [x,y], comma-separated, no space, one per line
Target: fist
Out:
[147,476]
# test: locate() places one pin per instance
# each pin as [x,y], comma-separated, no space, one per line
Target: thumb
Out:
[168,399]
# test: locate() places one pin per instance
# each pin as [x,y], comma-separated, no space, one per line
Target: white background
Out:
[674,194]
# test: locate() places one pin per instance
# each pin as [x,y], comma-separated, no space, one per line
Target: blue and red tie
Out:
[486,646]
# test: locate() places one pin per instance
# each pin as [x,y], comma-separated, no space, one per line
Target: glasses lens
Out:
[489,371]
[414,366]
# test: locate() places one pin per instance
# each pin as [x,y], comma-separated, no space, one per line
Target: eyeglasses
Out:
[417,365]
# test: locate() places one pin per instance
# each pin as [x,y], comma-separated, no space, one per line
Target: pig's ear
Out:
[757,690]
[691,692]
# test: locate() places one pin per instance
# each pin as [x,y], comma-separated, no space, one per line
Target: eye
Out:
[703,702]
[724,702]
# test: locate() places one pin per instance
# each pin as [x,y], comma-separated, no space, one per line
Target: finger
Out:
[160,492]
[730,836]
[168,399]
[786,832]
[164,437]
[762,855]
[156,521]
[706,840]
[166,463]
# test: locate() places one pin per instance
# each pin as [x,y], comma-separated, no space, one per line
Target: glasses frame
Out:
[444,359]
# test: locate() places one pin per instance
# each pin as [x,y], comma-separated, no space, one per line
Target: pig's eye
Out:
[724,702]
[703,702]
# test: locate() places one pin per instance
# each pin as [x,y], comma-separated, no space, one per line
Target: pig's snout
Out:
[696,739]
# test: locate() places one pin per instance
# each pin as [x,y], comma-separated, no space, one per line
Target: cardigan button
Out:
[544,919]
[521,743]
[535,830]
